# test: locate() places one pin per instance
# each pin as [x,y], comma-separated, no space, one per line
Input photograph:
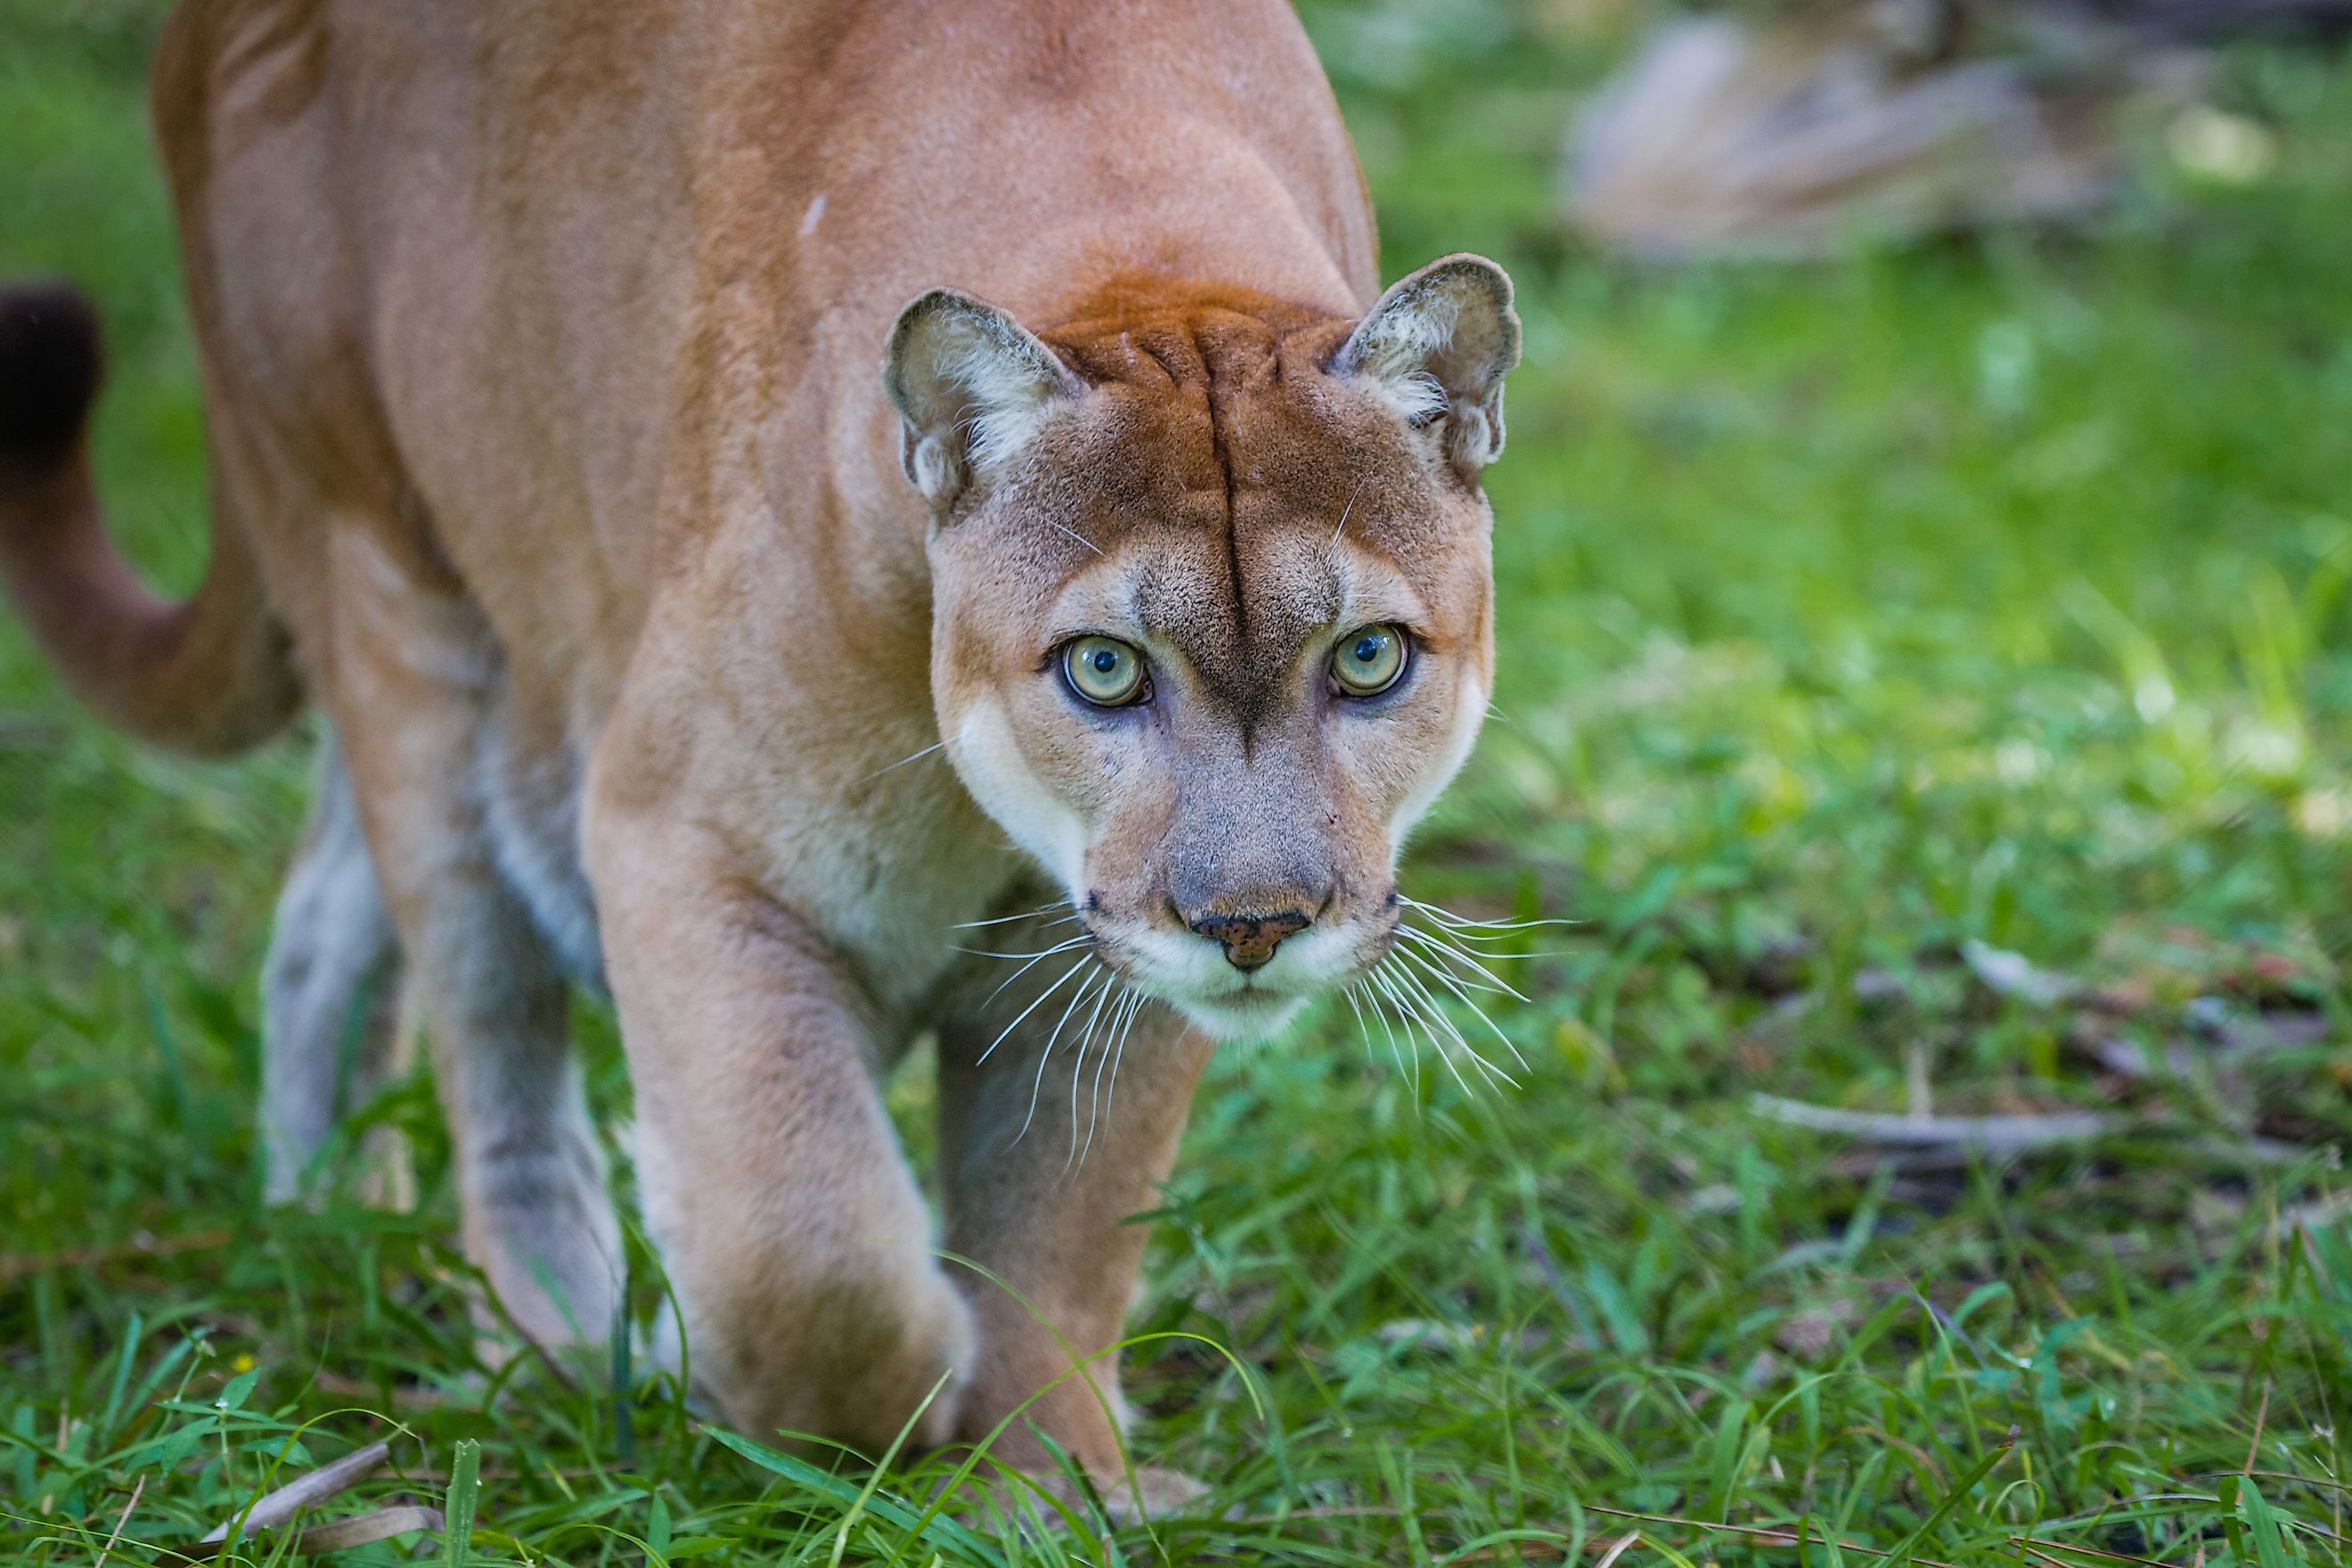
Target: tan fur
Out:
[557,451]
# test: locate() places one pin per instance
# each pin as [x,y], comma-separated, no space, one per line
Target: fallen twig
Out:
[120,1252]
[289,1499]
[2040,1548]
[115,1539]
[1991,1134]
[410,1394]
[382,1524]
[1761,1534]
[1927,1158]
[2034,1557]
[2259,1151]
[2015,975]
[1619,1549]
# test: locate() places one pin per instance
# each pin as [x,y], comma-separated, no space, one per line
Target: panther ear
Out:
[1438,345]
[971,386]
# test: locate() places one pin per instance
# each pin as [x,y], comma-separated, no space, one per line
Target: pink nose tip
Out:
[1250,939]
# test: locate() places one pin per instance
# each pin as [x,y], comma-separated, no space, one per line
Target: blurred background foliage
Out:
[1924,677]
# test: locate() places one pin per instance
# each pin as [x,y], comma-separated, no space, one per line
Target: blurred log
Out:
[2217,21]
[1791,136]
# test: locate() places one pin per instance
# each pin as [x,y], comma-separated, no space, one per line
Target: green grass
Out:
[1988,592]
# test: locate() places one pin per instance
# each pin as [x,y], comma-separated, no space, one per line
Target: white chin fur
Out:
[1247,1016]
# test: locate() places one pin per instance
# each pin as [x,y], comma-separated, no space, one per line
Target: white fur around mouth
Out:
[1193,976]
[1241,1014]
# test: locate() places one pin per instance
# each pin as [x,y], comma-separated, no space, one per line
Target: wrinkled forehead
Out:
[1248,532]
[1217,494]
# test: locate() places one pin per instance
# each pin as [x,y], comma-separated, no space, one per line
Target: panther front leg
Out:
[793,1232]
[1055,1130]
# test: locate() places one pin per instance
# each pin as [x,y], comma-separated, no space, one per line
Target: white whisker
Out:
[1134,1002]
[1362,1026]
[1332,548]
[1481,945]
[1482,942]
[1045,1052]
[1396,1053]
[1094,1095]
[1419,1013]
[1372,999]
[1472,973]
[1433,1012]
[1409,1014]
[1024,915]
[1036,1001]
[1447,981]
[1036,1087]
[1078,1072]
[1035,959]
[1448,919]
[1063,946]
[938,745]
[1085,1038]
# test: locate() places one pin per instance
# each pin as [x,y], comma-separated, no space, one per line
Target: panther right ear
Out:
[1438,345]
[971,386]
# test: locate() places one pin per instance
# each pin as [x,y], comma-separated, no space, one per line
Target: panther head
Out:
[1212,606]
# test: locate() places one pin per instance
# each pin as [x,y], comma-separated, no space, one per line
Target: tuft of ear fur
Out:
[971,386]
[1437,345]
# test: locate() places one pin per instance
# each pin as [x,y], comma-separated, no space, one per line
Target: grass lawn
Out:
[1926,678]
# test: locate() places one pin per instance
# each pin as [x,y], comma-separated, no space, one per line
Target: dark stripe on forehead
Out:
[1204,361]
[1245,709]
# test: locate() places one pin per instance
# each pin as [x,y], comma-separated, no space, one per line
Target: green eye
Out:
[1368,659]
[1104,670]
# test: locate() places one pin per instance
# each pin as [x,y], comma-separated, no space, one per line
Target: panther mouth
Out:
[1226,1001]
[1251,1013]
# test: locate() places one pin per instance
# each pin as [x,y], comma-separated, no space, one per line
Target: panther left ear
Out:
[1438,345]
[971,386]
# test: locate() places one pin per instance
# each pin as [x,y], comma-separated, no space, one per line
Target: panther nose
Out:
[1250,939]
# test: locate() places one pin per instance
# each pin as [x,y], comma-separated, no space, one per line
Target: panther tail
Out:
[209,674]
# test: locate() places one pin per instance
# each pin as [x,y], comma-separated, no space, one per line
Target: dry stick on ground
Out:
[1763,1534]
[1768,1537]
[400,1519]
[2317,1483]
[2034,1557]
[116,1539]
[1619,1550]
[427,1473]
[2111,1509]
[2260,1151]
[1995,1135]
[296,1495]
[410,1394]
[2046,1549]
[121,1252]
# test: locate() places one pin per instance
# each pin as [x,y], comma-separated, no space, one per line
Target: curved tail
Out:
[211,674]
